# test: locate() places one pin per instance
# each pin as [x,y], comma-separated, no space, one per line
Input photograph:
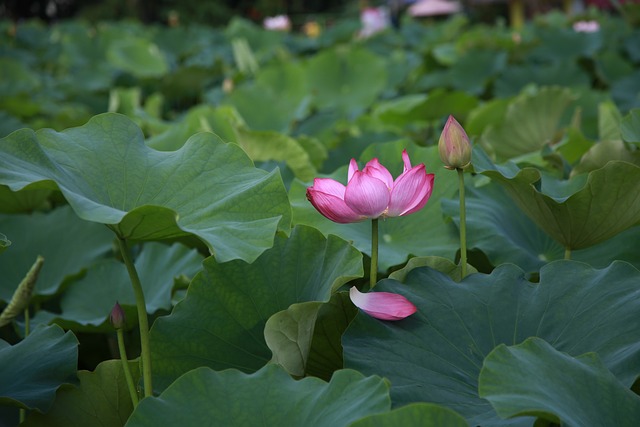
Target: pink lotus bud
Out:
[372,192]
[117,316]
[382,305]
[454,145]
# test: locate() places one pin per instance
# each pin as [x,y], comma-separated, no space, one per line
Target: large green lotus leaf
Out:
[325,355]
[415,415]
[417,108]
[609,119]
[630,127]
[207,188]
[578,213]
[17,78]
[201,118]
[221,321]
[531,122]
[259,145]
[504,233]
[268,397]
[101,399]
[277,98]
[33,369]
[68,244]
[535,379]
[472,71]
[398,237]
[107,282]
[602,153]
[625,91]
[488,113]
[137,56]
[515,78]
[335,78]
[22,201]
[559,44]
[269,145]
[436,354]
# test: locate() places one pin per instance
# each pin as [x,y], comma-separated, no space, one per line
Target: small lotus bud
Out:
[117,316]
[454,145]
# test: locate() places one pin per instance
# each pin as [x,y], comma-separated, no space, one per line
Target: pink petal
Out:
[366,195]
[375,169]
[407,162]
[353,167]
[410,192]
[329,186]
[330,202]
[382,305]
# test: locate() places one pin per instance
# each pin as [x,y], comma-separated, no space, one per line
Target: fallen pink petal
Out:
[382,305]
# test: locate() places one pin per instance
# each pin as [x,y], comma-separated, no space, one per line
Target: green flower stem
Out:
[143,321]
[27,327]
[373,273]
[567,253]
[125,366]
[463,225]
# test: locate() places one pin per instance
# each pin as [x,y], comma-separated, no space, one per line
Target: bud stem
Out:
[373,272]
[463,225]
[567,253]
[125,366]
[143,321]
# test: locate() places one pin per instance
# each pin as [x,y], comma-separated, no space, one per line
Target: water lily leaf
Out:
[102,398]
[397,236]
[505,234]
[137,56]
[207,188]
[68,244]
[531,122]
[577,213]
[436,354]
[107,282]
[33,369]
[533,378]
[221,321]
[335,79]
[232,398]
[415,415]
[630,127]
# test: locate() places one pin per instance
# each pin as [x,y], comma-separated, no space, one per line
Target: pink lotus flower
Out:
[382,305]
[372,192]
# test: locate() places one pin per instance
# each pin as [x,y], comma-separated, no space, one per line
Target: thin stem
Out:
[27,331]
[143,321]
[373,273]
[125,366]
[567,253]
[463,225]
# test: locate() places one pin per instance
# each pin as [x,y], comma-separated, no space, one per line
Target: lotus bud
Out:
[117,316]
[454,145]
